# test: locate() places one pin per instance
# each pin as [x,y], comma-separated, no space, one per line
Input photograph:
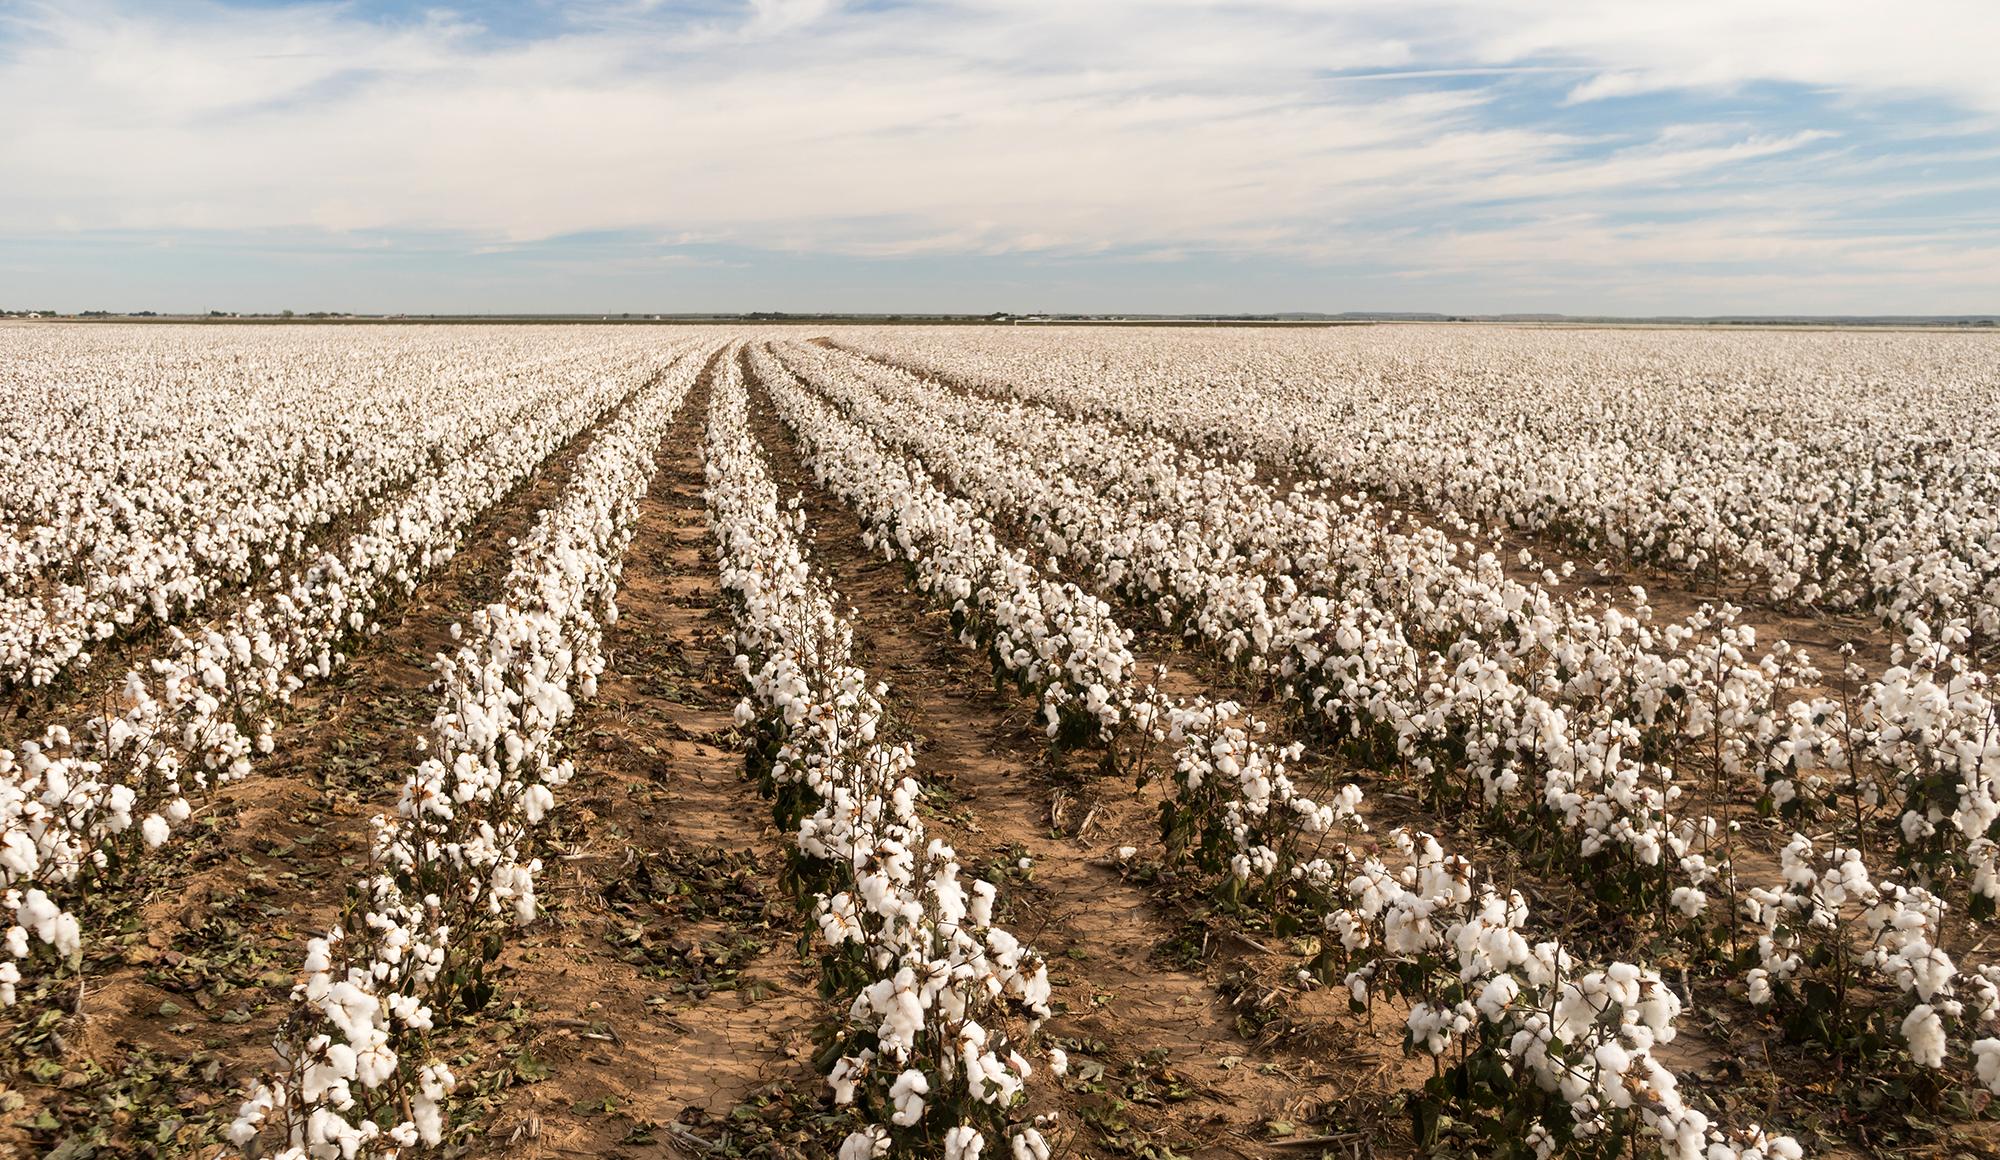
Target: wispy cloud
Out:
[1456,144]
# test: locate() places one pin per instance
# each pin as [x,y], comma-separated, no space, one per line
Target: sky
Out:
[1176,156]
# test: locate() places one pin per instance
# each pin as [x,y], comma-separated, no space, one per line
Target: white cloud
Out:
[1297,128]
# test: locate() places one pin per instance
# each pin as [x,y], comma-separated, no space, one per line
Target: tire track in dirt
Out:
[665,986]
[184,997]
[1175,1070]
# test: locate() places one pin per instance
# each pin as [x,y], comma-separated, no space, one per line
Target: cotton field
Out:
[998,741]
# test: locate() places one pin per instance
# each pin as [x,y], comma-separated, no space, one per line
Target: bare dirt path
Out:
[1159,1057]
[664,986]
[204,941]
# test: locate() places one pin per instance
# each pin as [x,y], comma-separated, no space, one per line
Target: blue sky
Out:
[1174,155]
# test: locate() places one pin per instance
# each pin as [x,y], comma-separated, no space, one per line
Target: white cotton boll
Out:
[865,1145]
[429,1118]
[907,1094]
[1058,1061]
[1930,970]
[1029,1145]
[963,1143]
[1496,997]
[18,855]
[845,1077]
[536,802]
[154,831]
[49,922]
[1924,1032]
[1612,1058]
[340,1060]
[1987,1054]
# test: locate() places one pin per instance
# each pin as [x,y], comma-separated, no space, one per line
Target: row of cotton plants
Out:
[1838,929]
[922,1053]
[1572,1047]
[1562,705]
[1826,470]
[147,471]
[454,869]
[1049,638]
[81,801]
[1536,1052]
[1401,643]
[1241,560]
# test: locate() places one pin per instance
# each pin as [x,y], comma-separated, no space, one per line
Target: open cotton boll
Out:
[870,1142]
[1986,1056]
[963,1143]
[1028,1144]
[907,1094]
[1923,1031]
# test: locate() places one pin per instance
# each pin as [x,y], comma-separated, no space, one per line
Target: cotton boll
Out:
[907,1094]
[1029,1145]
[1924,1032]
[963,1143]
[866,1144]
[1986,1054]
[1689,901]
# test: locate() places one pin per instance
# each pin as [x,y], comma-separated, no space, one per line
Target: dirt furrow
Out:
[190,963]
[664,987]
[1159,1055]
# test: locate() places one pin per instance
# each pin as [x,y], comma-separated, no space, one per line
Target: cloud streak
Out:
[1450,144]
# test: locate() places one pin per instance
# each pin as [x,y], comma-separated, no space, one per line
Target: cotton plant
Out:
[1049,638]
[938,1003]
[455,869]
[1932,720]
[1831,934]
[1583,1036]
[78,802]
[1539,705]
[1542,705]
[1778,465]
[193,491]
